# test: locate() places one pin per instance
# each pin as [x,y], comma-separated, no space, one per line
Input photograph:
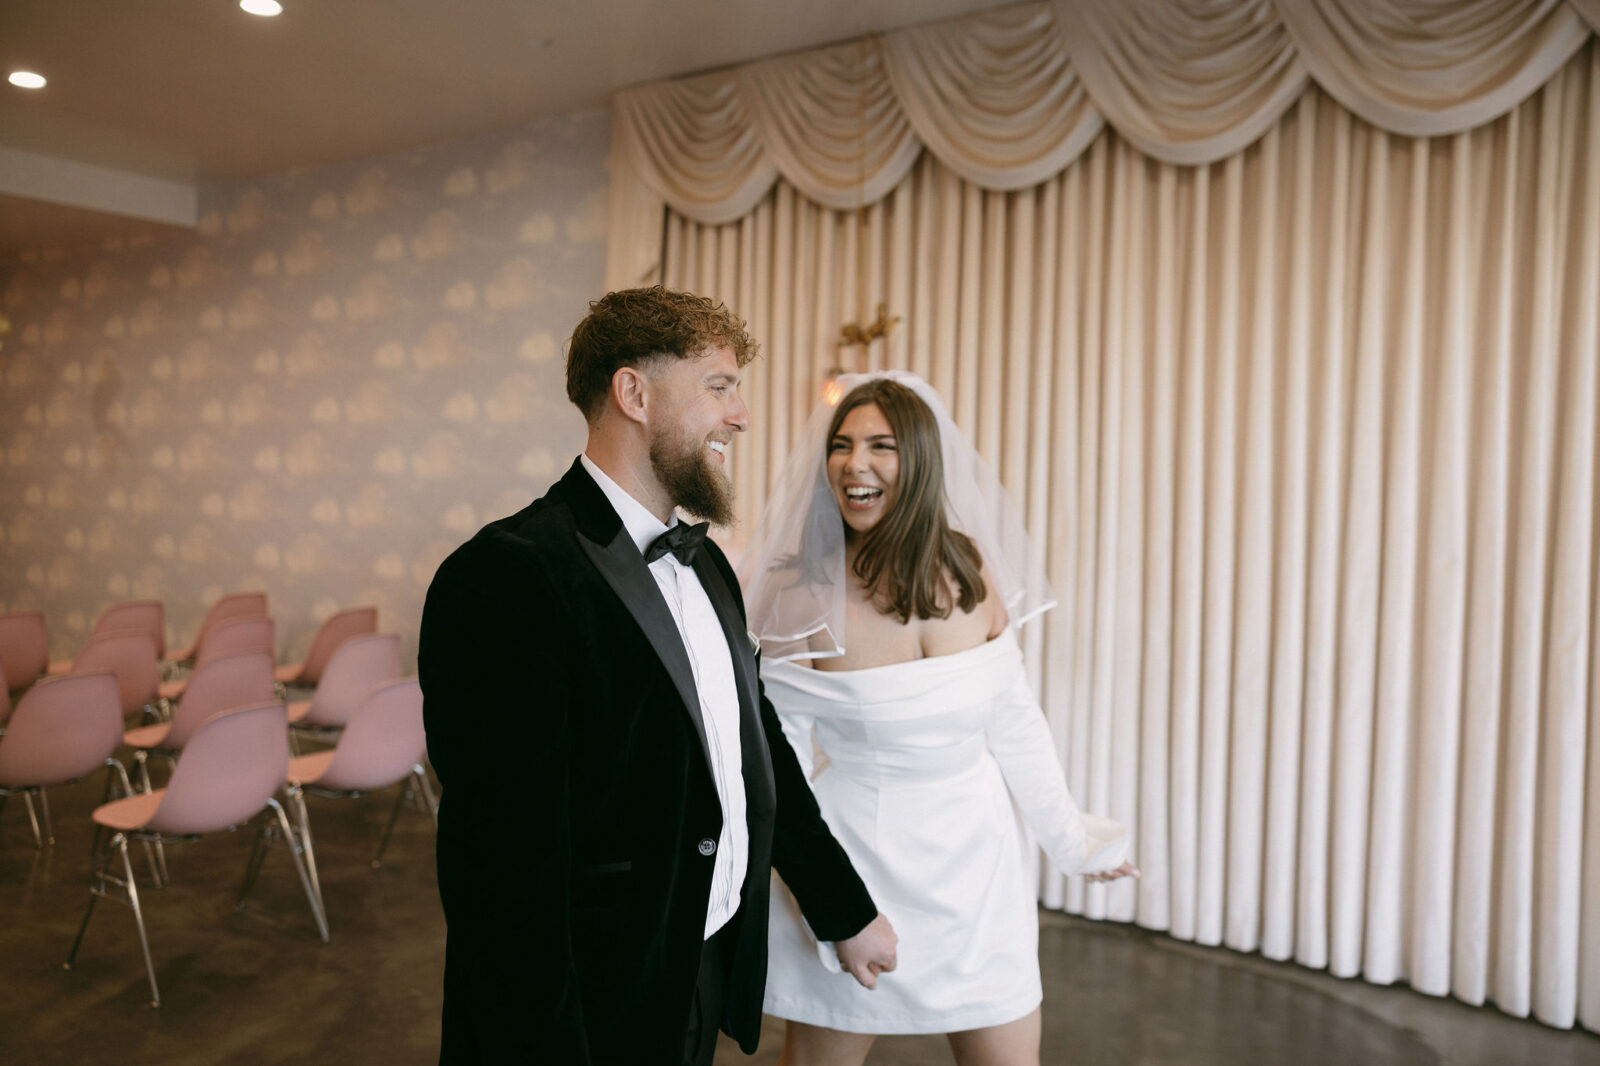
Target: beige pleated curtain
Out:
[1294,373]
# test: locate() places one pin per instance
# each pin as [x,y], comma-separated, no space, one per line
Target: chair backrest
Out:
[236,635]
[238,680]
[233,605]
[383,740]
[227,772]
[130,654]
[63,728]
[360,663]
[147,615]
[342,626]
[24,648]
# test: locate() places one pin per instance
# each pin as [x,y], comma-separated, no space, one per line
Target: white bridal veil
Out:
[793,570]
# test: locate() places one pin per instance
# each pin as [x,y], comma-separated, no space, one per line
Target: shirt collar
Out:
[642,526]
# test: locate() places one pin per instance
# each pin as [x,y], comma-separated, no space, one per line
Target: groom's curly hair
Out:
[630,327]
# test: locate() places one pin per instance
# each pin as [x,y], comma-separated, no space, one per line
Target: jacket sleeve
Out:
[1020,741]
[831,895]
[495,691]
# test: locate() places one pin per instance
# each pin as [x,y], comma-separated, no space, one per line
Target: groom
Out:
[616,785]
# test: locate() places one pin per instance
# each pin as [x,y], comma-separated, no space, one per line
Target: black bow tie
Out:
[682,540]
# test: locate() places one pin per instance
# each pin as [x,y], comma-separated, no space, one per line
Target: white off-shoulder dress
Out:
[929,763]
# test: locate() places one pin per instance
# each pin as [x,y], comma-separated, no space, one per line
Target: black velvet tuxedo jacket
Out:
[579,802]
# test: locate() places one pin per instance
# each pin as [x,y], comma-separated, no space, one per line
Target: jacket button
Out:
[707,846]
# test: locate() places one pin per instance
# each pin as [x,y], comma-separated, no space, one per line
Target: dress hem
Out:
[804,1012]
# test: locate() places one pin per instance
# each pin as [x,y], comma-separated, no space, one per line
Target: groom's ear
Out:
[628,388]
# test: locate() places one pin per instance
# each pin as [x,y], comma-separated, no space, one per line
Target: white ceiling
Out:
[195,91]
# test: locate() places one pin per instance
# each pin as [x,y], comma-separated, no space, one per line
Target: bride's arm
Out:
[1078,843]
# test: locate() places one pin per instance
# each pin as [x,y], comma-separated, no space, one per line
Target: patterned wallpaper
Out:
[337,379]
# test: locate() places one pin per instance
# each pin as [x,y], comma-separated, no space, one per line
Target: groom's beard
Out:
[691,479]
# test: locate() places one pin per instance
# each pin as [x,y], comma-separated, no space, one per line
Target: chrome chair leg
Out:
[301,858]
[44,810]
[97,888]
[427,793]
[121,773]
[303,825]
[394,813]
[97,885]
[138,917]
[33,819]
[252,867]
[141,762]
[155,856]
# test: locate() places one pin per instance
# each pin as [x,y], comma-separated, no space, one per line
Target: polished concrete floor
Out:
[256,986]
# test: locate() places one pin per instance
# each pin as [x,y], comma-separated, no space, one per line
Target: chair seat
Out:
[148,736]
[308,769]
[288,673]
[298,710]
[171,690]
[133,812]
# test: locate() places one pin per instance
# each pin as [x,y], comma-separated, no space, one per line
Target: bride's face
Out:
[864,467]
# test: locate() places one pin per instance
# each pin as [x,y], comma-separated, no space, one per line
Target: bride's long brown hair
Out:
[904,559]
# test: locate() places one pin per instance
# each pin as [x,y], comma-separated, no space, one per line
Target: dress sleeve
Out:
[1020,741]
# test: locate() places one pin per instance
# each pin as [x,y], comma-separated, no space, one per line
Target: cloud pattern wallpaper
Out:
[336,379]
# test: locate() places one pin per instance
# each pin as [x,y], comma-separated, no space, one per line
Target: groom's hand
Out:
[870,952]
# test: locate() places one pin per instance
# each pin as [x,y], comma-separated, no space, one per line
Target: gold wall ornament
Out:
[855,333]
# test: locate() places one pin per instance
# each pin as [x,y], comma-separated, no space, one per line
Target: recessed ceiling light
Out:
[26,79]
[264,8]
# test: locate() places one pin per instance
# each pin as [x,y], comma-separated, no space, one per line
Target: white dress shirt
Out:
[712,661]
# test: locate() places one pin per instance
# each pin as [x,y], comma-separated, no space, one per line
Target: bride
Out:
[885,580]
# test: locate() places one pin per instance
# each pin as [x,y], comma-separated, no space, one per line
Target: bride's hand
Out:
[1127,869]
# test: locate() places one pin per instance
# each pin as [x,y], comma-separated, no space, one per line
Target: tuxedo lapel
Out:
[624,570]
[605,540]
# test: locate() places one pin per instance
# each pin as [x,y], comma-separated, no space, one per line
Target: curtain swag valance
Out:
[1011,96]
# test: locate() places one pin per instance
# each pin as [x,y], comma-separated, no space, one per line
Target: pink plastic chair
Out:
[230,638]
[383,744]
[360,663]
[64,729]
[145,616]
[131,655]
[24,648]
[233,605]
[226,777]
[351,622]
[219,685]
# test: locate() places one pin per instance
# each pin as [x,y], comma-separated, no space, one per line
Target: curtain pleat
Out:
[1308,441]
[1425,69]
[1007,98]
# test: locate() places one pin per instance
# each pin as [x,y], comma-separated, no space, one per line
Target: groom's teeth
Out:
[718,446]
